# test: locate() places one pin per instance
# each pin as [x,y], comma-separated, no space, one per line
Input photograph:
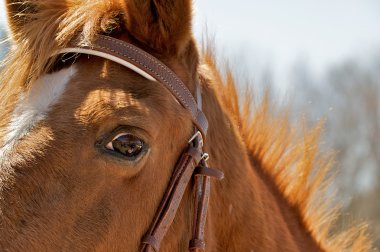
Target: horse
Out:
[100,152]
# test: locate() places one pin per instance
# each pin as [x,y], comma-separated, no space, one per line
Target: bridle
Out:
[192,162]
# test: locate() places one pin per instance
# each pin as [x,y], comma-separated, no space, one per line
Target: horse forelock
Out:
[51,28]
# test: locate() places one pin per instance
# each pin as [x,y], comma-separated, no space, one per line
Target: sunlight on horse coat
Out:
[58,192]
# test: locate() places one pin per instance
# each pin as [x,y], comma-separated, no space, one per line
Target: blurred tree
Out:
[348,97]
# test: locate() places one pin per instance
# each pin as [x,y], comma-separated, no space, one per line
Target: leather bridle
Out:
[192,162]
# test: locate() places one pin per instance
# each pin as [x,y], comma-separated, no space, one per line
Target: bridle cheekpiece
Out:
[192,162]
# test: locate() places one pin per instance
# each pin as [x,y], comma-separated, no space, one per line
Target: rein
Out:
[192,162]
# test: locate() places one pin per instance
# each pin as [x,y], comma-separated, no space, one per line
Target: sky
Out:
[275,34]
[2,12]
[257,35]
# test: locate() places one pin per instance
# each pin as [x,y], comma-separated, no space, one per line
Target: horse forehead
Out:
[107,88]
[34,105]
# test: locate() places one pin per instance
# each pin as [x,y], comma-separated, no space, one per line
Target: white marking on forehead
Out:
[34,106]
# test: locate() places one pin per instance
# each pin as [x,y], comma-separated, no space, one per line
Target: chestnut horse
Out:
[88,146]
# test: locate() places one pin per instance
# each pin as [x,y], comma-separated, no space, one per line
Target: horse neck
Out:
[247,211]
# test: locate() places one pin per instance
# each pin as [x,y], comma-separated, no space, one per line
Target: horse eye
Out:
[126,144]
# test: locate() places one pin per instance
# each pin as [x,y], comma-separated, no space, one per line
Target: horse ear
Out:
[164,25]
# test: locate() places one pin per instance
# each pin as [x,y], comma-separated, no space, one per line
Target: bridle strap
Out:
[192,161]
[146,65]
[172,198]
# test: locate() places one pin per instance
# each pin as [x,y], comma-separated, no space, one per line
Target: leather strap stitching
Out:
[153,59]
[168,207]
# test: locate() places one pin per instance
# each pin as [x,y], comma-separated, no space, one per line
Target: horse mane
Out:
[291,159]
[290,156]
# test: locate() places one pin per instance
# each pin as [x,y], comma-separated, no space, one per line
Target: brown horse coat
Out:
[58,191]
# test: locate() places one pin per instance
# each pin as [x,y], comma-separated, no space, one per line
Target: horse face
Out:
[88,150]
[94,165]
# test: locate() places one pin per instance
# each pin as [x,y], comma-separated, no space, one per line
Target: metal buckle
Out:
[205,156]
[198,135]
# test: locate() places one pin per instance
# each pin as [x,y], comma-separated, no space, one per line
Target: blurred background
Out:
[323,58]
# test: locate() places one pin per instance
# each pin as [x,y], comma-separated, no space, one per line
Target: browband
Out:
[147,66]
[192,161]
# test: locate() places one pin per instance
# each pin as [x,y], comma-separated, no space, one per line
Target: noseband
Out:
[192,162]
